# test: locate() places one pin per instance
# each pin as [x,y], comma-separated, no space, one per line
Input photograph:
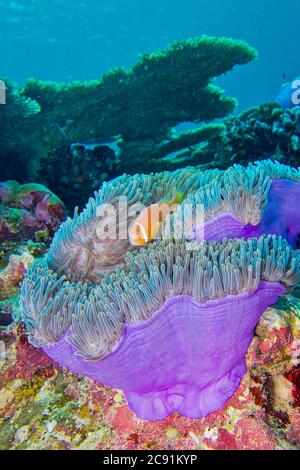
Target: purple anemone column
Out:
[188,358]
[281,217]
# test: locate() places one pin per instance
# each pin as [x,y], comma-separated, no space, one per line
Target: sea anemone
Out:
[80,253]
[249,202]
[171,327]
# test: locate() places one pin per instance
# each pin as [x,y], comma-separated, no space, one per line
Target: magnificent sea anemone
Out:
[77,250]
[249,202]
[170,324]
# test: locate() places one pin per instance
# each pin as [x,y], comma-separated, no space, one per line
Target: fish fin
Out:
[141,238]
[178,198]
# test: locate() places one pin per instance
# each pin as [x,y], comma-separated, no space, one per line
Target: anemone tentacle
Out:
[77,250]
[169,323]
[242,191]
[96,315]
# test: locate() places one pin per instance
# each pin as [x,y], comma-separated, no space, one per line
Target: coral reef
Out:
[15,258]
[263,132]
[289,94]
[28,211]
[258,133]
[205,324]
[237,202]
[138,108]
[275,368]
[8,247]
[43,121]
[17,143]
[91,321]
[43,406]
[78,170]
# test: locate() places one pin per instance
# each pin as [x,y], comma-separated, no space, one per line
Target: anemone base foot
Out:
[189,400]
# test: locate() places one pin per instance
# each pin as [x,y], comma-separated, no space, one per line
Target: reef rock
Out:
[28,211]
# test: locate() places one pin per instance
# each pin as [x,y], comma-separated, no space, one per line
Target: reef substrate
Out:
[44,406]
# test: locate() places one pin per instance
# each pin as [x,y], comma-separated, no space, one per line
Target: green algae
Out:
[27,417]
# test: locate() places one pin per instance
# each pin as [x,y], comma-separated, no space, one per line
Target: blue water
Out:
[62,40]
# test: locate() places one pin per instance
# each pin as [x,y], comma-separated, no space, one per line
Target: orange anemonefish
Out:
[147,225]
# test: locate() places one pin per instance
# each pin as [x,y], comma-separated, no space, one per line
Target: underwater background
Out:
[61,40]
[168,103]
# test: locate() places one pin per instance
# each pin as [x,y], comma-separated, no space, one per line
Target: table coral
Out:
[162,89]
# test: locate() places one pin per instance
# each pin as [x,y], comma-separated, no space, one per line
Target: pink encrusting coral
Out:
[44,406]
[28,210]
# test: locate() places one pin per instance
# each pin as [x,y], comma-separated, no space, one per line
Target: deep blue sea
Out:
[64,40]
